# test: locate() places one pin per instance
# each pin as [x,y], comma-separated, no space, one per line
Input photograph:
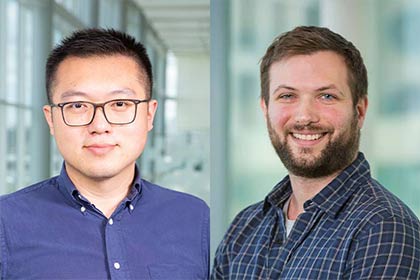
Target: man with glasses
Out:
[99,219]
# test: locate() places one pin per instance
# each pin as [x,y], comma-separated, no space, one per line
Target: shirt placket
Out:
[116,257]
[275,259]
[302,228]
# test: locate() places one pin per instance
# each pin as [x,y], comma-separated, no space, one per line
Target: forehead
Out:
[97,61]
[308,70]
[99,74]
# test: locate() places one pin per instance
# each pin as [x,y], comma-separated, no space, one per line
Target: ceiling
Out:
[183,25]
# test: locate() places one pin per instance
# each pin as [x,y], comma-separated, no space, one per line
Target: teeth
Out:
[307,136]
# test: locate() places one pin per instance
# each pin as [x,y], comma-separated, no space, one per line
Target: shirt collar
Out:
[331,198]
[68,189]
[278,195]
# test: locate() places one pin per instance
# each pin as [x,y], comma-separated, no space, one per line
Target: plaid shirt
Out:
[353,229]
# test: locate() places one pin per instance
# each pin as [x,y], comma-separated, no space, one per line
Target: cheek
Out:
[68,140]
[340,120]
[279,116]
[135,136]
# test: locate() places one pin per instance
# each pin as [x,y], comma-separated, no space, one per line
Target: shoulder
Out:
[164,196]
[244,223]
[34,201]
[249,213]
[240,229]
[373,204]
[185,214]
[30,193]
[383,224]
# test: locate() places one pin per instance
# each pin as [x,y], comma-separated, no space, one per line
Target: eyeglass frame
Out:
[99,105]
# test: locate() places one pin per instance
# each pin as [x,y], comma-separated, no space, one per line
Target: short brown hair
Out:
[310,39]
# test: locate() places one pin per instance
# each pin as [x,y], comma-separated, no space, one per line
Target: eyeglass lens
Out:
[116,112]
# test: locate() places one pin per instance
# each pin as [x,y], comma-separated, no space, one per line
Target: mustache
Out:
[308,127]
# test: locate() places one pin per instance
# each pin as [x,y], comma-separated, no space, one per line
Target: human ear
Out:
[361,110]
[151,111]
[264,108]
[48,117]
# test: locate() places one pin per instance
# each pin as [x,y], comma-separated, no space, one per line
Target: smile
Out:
[307,137]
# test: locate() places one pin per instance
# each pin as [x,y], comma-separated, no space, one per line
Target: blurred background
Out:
[176,35]
[244,166]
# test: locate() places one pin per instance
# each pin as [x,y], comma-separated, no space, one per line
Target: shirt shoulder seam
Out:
[30,189]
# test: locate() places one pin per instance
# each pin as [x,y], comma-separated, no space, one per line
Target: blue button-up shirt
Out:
[352,229]
[50,231]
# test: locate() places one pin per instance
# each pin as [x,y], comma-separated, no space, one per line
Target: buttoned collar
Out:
[68,189]
[332,197]
[280,193]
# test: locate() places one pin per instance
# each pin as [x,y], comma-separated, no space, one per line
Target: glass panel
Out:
[11,148]
[398,100]
[26,57]
[400,56]
[133,22]
[247,25]
[403,181]
[12,52]
[3,147]
[110,14]
[171,76]
[81,9]
[28,133]
[171,116]
[17,85]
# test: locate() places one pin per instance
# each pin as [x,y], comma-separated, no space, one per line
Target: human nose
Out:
[306,112]
[99,122]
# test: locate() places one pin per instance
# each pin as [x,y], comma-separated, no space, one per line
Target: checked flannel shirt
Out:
[353,229]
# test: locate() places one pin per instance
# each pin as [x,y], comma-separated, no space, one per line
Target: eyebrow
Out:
[283,87]
[72,93]
[327,87]
[127,91]
[330,87]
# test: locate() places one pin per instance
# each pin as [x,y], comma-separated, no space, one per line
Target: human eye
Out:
[120,104]
[286,97]
[76,107]
[328,97]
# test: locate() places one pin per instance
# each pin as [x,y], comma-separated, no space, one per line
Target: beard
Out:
[336,155]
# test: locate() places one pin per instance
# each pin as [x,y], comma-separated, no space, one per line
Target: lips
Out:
[100,148]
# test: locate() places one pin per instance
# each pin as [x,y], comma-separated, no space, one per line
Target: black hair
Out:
[99,42]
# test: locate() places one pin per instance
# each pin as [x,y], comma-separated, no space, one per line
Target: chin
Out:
[100,171]
[307,154]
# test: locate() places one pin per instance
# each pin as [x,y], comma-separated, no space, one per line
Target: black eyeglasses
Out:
[117,111]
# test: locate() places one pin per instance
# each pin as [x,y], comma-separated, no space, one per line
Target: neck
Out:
[304,189]
[105,193]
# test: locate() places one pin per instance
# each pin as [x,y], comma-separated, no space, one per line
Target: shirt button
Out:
[110,221]
[117,265]
[131,207]
[83,209]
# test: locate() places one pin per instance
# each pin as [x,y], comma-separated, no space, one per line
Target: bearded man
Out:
[328,219]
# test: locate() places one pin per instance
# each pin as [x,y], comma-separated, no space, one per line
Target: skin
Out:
[311,91]
[100,157]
